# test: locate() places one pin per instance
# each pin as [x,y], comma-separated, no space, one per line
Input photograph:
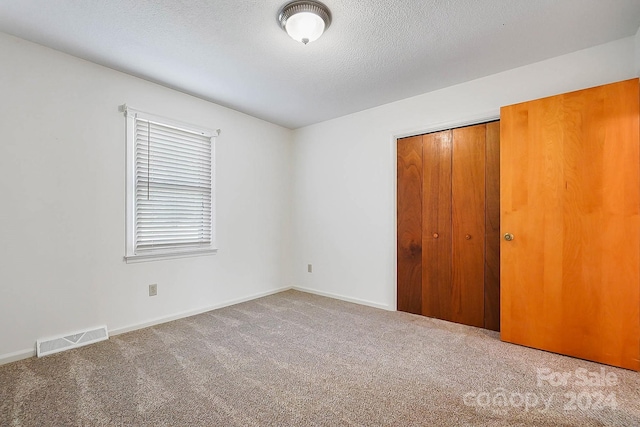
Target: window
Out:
[170,188]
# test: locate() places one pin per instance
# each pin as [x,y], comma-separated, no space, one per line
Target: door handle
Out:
[508,237]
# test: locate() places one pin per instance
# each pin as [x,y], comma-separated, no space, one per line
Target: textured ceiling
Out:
[232,52]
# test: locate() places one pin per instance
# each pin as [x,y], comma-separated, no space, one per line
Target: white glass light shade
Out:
[305,27]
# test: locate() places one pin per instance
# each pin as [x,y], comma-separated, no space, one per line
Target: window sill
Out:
[130,259]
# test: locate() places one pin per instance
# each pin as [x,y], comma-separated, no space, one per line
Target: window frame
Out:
[131,115]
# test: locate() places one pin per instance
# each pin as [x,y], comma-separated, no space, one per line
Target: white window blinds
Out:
[173,190]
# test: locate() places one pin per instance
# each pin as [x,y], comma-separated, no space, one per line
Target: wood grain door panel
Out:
[468,225]
[409,223]
[436,244]
[492,228]
[570,188]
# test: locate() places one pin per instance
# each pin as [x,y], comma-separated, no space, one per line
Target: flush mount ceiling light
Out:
[304,21]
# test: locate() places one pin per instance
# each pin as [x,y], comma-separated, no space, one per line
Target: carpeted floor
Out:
[295,359]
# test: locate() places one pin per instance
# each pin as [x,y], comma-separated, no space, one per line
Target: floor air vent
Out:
[67,342]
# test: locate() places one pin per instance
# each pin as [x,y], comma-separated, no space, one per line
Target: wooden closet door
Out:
[437,293]
[570,192]
[492,228]
[409,223]
[468,225]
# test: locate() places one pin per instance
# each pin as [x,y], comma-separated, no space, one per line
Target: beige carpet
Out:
[295,359]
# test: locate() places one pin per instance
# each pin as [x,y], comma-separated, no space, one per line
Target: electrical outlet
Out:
[153,290]
[309,268]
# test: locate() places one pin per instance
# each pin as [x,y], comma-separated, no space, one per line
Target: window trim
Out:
[131,256]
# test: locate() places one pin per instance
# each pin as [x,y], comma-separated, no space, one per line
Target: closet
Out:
[448,214]
[570,194]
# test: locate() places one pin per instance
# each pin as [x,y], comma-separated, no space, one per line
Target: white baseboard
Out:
[344,298]
[17,355]
[27,353]
[190,313]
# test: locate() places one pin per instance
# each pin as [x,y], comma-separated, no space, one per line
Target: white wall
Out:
[344,169]
[638,52]
[62,174]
